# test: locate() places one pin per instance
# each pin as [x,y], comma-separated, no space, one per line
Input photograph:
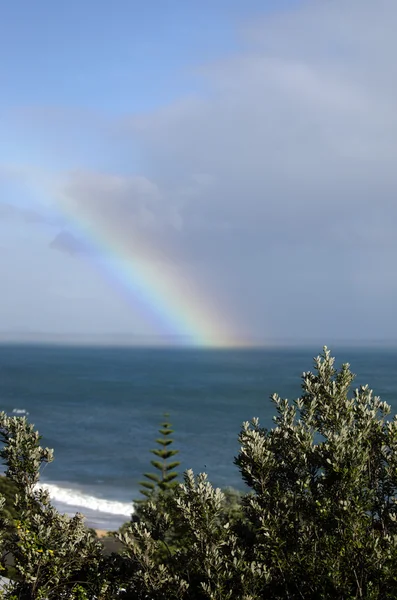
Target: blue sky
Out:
[250,145]
[114,56]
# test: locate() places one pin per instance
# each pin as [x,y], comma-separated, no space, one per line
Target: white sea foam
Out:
[75,498]
[20,411]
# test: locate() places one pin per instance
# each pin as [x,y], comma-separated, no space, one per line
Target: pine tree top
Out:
[166,476]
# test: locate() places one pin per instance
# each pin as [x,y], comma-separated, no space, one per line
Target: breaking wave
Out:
[78,499]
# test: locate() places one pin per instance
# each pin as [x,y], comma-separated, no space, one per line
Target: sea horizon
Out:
[172,342]
[99,408]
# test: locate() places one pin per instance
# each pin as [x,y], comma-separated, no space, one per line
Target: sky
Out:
[217,171]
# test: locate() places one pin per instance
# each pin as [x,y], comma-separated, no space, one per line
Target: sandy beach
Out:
[110,543]
[102,533]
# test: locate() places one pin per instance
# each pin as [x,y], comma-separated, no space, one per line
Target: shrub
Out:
[319,521]
[52,553]
[8,490]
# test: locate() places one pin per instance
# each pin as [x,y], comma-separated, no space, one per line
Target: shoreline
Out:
[109,542]
[102,533]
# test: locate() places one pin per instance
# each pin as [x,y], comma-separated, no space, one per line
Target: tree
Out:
[321,513]
[8,490]
[54,556]
[325,484]
[165,480]
[319,521]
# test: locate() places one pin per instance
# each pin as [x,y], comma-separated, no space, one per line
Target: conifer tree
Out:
[166,476]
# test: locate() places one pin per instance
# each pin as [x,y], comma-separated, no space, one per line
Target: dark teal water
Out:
[100,409]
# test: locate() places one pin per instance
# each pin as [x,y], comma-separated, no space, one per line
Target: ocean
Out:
[100,409]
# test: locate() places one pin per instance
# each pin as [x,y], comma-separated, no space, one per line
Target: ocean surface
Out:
[100,409]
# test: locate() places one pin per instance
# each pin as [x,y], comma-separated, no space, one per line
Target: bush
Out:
[8,490]
[52,553]
[319,521]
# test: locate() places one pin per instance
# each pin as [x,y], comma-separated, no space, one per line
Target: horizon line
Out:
[177,341]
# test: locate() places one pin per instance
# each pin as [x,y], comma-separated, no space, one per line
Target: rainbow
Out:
[167,299]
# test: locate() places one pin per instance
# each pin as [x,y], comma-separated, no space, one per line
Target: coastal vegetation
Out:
[165,479]
[318,520]
[8,491]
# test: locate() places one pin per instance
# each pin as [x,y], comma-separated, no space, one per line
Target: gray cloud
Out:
[7,211]
[294,143]
[276,186]
[27,215]
[135,198]
[69,244]
[299,135]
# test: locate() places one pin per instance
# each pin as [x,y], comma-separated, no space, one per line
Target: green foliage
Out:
[206,565]
[8,490]
[319,521]
[51,552]
[165,479]
[325,482]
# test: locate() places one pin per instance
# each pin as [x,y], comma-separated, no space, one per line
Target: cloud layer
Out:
[275,185]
